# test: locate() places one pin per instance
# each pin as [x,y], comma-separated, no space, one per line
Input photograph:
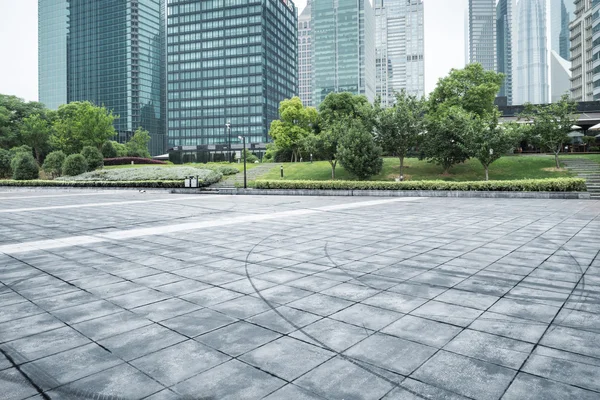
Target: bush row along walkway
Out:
[238,179]
[588,170]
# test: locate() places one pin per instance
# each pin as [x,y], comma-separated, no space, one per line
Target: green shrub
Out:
[5,158]
[359,154]
[151,173]
[53,163]
[250,158]
[21,149]
[57,183]
[109,150]
[527,185]
[75,164]
[24,167]
[222,169]
[93,157]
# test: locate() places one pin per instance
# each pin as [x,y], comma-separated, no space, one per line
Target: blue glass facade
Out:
[228,60]
[114,57]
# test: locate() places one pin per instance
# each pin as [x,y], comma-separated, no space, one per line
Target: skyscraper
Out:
[399,44]
[585,79]
[561,14]
[531,81]
[504,48]
[305,70]
[482,33]
[343,38]
[108,52]
[229,61]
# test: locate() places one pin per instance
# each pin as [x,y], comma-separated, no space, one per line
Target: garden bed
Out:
[164,184]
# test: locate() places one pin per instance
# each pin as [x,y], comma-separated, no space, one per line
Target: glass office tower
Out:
[343,36]
[504,35]
[110,52]
[53,28]
[399,45]
[228,61]
[482,33]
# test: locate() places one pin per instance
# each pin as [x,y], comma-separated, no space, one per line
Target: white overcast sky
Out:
[444,43]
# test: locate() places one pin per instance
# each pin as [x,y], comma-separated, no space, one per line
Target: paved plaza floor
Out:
[127,295]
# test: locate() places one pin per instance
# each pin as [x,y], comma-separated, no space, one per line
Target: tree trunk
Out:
[401,166]
[333,164]
[487,175]
[556,160]
[37,156]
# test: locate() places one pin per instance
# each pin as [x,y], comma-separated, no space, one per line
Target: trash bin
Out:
[188,182]
[194,181]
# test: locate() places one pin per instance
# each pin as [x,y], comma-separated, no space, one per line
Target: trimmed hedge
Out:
[527,185]
[134,184]
[128,160]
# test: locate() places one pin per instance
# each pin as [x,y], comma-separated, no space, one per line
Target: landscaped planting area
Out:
[152,173]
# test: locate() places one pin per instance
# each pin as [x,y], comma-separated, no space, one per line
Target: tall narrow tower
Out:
[504,48]
[305,67]
[482,33]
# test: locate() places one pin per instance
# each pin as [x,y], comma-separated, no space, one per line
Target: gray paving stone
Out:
[122,379]
[395,301]
[332,334]
[498,350]
[512,327]
[287,358]
[291,391]
[139,298]
[350,291]
[283,294]
[525,309]
[14,386]
[19,310]
[465,376]
[166,309]
[320,304]
[370,317]
[198,322]
[238,338]
[242,307]
[211,296]
[70,365]
[284,320]
[182,287]
[27,326]
[392,353]
[479,301]
[448,313]
[139,342]
[232,380]
[573,340]
[341,379]
[529,387]
[44,344]
[179,362]
[424,331]
[86,311]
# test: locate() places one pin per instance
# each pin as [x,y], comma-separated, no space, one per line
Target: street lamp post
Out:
[243,139]
[228,125]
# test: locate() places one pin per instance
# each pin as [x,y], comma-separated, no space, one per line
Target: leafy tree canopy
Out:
[137,146]
[294,126]
[13,111]
[346,105]
[358,153]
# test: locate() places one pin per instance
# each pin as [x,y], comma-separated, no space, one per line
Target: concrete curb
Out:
[393,193]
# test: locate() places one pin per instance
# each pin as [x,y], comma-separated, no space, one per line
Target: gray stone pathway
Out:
[588,170]
[249,297]
[237,180]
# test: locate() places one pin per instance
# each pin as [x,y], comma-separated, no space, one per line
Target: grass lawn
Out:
[239,166]
[593,157]
[506,168]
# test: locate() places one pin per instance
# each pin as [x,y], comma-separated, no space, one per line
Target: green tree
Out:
[35,132]
[80,124]
[443,143]
[137,146]
[358,153]
[53,163]
[487,141]
[108,149]
[346,105]
[295,124]
[472,88]
[400,126]
[13,111]
[324,145]
[93,158]
[24,167]
[552,123]
[74,164]
[5,159]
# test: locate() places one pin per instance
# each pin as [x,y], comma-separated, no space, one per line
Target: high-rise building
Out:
[108,52]
[343,39]
[585,78]
[531,53]
[561,14]
[504,49]
[482,33]
[399,46]
[229,61]
[305,69]
[53,30]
